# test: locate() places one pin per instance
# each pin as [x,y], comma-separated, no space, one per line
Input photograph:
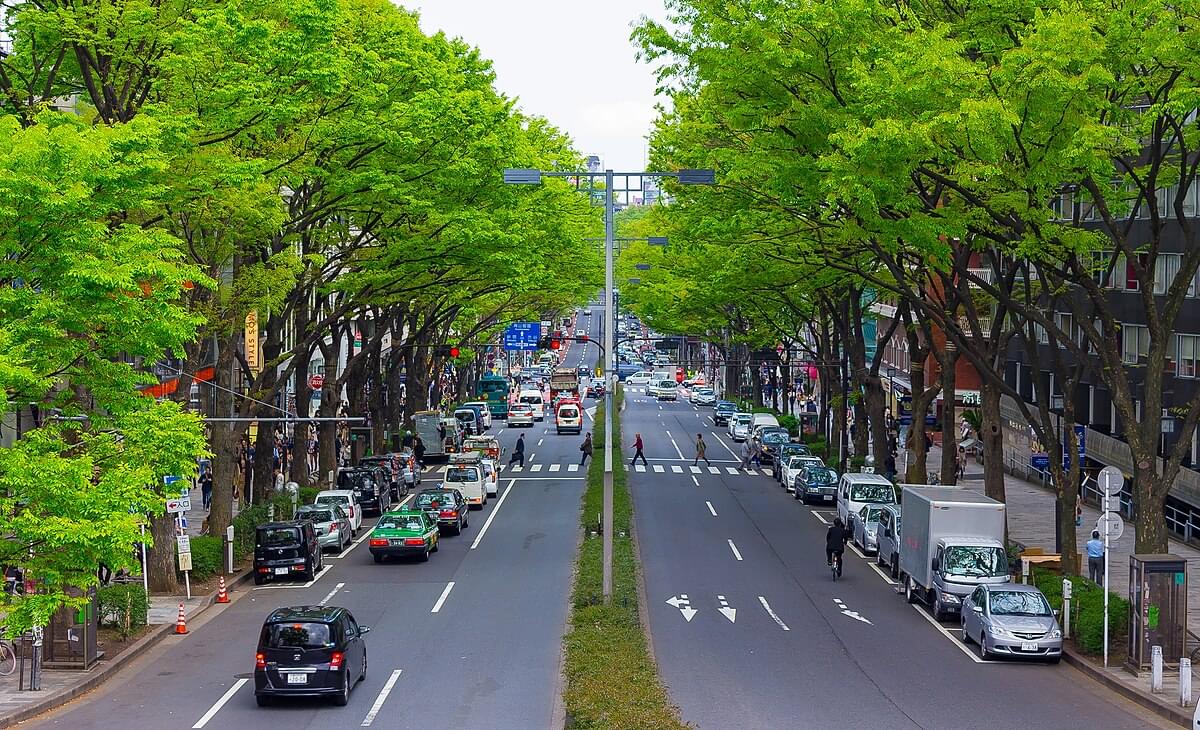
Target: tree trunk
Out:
[299,468]
[160,556]
[756,385]
[224,441]
[948,361]
[922,398]
[877,418]
[992,436]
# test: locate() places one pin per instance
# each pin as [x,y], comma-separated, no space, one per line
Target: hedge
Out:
[207,556]
[123,606]
[1087,611]
[791,423]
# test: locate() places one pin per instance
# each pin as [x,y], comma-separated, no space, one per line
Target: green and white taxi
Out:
[403,532]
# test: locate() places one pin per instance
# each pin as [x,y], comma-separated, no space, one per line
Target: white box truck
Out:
[951,540]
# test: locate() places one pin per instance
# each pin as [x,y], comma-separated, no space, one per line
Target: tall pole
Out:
[610,383]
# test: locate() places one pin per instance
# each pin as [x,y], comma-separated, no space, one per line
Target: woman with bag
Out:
[586,448]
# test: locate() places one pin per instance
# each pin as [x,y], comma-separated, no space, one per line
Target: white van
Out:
[641,377]
[465,473]
[568,418]
[856,490]
[761,420]
[533,399]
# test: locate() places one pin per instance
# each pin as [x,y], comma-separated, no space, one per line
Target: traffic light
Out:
[454,351]
[555,343]
[447,350]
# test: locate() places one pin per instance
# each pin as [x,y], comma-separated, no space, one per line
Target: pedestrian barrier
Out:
[222,594]
[181,622]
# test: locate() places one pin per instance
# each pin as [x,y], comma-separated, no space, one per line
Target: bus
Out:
[494,390]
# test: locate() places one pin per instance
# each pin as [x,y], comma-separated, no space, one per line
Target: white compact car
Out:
[520,414]
[347,499]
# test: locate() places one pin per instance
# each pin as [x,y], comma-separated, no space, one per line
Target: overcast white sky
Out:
[570,61]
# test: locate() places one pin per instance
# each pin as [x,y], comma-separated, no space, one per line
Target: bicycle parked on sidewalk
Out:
[8,656]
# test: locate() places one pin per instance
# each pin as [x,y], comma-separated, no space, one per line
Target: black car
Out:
[782,453]
[816,483]
[371,485]
[309,651]
[722,411]
[286,550]
[770,439]
[387,464]
[447,506]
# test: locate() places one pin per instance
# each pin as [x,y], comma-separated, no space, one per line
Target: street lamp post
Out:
[534,177]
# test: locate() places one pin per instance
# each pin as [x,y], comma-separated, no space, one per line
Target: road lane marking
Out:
[639,467]
[695,480]
[695,469]
[852,614]
[772,614]
[731,470]
[720,441]
[819,517]
[329,595]
[219,704]
[714,470]
[677,451]
[711,508]
[572,467]
[677,469]
[495,510]
[442,598]
[518,468]
[953,639]
[554,467]
[733,547]
[658,469]
[539,443]
[383,695]
[535,467]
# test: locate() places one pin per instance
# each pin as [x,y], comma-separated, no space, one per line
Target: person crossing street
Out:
[518,454]
[586,448]
[637,446]
[700,448]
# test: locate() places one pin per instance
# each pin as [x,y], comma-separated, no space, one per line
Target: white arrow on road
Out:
[685,607]
[726,611]
[852,614]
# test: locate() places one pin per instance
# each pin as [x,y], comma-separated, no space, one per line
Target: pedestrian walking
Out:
[206,486]
[518,453]
[961,463]
[1095,553]
[586,448]
[756,449]
[419,451]
[747,454]
[278,480]
[700,447]
[637,446]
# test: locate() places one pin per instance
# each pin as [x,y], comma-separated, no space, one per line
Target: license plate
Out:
[281,571]
[1029,646]
[828,497]
[297,679]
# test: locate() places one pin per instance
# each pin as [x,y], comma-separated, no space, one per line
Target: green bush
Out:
[791,423]
[857,462]
[1087,610]
[123,606]
[308,495]
[206,556]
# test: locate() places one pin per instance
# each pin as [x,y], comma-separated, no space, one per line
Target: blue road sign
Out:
[522,336]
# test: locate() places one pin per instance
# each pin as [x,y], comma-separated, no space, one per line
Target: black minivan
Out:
[371,485]
[285,550]
[309,651]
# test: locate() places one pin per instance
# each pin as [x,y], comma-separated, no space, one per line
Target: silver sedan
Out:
[1010,619]
[331,523]
[866,525]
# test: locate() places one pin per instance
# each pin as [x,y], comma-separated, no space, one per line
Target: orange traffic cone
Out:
[222,596]
[181,622]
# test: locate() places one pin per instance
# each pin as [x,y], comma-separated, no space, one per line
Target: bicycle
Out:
[8,656]
[835,566]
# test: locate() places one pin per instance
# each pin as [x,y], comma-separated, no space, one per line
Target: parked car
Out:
[887,539]
[410,471]
[722,412]
[781,457]
[704,396]
[447,506]
[794,465]
[857,489]
[1011,619]
[770,440]
[485,414]
[286,550]
[387,464]
[347,499]
[469,420]
[403,533]
[370,484]
[865,528]
[739,426]
[520,414]
[331,523]
[307,651]
[815,483]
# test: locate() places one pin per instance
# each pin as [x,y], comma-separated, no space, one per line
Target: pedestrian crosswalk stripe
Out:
[714,470]
[677,468]
[731,470]
[765,472]
[516,468]
[535,467]
[658,468]
[572,467]
[695,469]
[554,467]
[639,467]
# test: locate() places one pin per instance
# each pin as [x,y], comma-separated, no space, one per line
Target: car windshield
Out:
[316,515]
[462,474]
[869,514]
[333,499]
[742,418]
[795,461]
[531,399]
[568,413]
[1017,603]
[882,493]
[298,636]
[821,476]
[424,499]
[277,536]
[975,561]
[400,522]
[775,437]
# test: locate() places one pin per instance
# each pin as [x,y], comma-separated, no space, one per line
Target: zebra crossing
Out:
[535,468]
[677,469]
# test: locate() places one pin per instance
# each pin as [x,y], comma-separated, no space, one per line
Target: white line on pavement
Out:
[677,451]
[772,614]
[383,695]
[711,508]
[495,510]
[677,468]
[695,469]
[329,595]
[539,443]
[949,635]
[819,517]
[695,480]
[731,470]
[733,547]
[714,470]
[442,598]
[658,468]
[722,442]
[219,704]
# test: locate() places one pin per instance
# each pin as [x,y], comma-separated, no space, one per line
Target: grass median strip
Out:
[612,681]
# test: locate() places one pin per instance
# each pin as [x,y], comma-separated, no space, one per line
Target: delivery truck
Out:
[951,541]
[564,382]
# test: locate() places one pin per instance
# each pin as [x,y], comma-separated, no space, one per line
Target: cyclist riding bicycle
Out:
[835,540]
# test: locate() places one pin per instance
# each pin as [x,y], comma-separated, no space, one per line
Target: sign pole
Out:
[1106,531]
[609,385]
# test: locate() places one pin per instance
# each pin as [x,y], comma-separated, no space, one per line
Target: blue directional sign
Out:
[522,336]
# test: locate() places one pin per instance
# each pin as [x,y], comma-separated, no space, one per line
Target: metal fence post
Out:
[1185,682]
[1156,669]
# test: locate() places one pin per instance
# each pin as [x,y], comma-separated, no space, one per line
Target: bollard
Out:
[1066,608]
[229,549]
[1025,572]
[35,665]
[1156,669]
[1185,682]
[271,512]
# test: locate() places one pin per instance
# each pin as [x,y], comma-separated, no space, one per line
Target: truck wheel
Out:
[895,568]
[908,591]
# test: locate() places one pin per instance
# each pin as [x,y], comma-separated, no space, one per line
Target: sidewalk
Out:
[1031,522]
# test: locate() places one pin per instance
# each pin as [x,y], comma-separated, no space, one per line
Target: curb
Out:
[1163,709]
[97,676]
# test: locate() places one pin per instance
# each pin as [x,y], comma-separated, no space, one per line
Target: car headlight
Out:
[1055,634]
[950,598]
[1003,633]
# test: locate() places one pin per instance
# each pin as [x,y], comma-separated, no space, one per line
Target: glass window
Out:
[882,493]
[315,515]
[278,536]
[1066,324]
[1166,267]
[1187,356]
[975,561]
[1135,342]
[299,636]
[462,474]
[401,522]
[1017,603]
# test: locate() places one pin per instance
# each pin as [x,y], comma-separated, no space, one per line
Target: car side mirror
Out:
[364,630]
[937,565]
[977,609]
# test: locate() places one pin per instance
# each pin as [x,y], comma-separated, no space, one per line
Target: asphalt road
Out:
[471,638]
[773,642]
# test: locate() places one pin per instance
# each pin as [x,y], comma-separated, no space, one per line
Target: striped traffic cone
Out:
[181,622]
[222,596]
